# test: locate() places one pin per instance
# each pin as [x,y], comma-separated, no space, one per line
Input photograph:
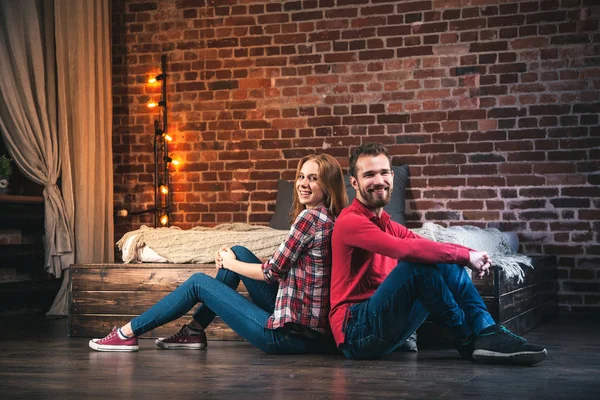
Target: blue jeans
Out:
[403,301]
[247,319]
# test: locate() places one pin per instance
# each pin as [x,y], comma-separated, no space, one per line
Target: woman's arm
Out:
[298,240]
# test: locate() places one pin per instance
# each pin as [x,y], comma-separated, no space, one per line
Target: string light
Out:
[167,137]
[172,161]
[152,80]
[164,189]
[152,104]
[164,220]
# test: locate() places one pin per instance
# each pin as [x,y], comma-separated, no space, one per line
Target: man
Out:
[386,280]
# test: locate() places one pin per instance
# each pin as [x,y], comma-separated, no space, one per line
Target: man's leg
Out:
[466,295]
[399,306]
[491,342]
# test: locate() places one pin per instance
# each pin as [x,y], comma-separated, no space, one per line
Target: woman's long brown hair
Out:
[331,181]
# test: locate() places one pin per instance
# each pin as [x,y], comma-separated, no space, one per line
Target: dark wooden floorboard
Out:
[38,361]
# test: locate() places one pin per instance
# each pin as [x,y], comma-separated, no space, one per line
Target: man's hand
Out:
[479,262]
[223,257]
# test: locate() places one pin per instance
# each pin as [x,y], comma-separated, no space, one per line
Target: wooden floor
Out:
[38,361]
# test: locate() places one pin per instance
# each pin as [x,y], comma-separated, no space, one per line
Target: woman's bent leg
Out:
[261,293]
[245,318]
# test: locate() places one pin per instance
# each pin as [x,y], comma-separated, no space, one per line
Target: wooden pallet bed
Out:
[104,295]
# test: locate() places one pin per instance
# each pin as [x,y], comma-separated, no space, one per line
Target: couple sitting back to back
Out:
[362,286]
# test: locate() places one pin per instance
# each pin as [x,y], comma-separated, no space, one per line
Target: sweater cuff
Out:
[462,256]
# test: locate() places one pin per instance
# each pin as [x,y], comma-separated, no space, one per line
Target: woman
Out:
[290,292]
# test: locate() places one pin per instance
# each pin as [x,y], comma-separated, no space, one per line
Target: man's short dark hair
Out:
[368,149]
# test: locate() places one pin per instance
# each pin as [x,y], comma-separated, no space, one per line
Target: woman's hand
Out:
[479,262]
[224,256]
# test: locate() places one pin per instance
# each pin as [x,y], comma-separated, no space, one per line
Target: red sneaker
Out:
[112,342]
[183,340]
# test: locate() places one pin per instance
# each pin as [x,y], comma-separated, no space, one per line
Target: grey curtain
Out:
[56,117]
[83,64]
[28,114]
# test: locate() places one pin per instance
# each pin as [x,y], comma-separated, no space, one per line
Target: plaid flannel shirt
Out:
[302,266]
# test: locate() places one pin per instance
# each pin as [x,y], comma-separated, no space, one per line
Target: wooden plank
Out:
[10,198]
[485,285]
[127,278]
[200,267]
[118,302]
[529,320]
[524,299]
[98,326]
[544,270]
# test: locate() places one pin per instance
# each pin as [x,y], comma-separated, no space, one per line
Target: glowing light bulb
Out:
[164,189]
[175,162]
[164,220]
[167,137]
[152,80]
[152,104]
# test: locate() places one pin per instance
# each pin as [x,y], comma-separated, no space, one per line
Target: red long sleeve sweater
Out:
[366,248]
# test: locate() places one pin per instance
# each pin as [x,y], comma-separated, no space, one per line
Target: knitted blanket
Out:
[199,245]
[490,240]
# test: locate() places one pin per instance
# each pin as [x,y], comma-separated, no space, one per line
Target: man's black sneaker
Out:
[496,344]
[466,347]
[410,346]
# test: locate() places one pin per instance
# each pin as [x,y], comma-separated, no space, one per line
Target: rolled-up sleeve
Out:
[299,238]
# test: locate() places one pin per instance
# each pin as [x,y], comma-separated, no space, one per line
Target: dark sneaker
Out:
[112,342]
[184,339]
[497,344]
[410,346]
[465,348]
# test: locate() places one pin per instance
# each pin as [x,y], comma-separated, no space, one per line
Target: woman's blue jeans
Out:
[403,301]
[218,296]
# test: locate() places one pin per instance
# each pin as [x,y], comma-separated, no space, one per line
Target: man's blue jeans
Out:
[218,296]
[403,301]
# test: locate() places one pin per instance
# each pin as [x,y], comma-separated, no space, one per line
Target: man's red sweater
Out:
[366,248]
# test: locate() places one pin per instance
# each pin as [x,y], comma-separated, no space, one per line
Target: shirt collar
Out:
[379,221]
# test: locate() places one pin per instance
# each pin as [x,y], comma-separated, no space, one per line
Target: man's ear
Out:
[354,182]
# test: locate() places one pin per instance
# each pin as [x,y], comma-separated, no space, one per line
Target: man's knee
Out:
[454,271]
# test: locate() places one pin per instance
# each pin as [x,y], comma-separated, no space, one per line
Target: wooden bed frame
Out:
[105,295]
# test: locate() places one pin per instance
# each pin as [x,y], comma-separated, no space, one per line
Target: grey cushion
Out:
[283,205]
[397,204]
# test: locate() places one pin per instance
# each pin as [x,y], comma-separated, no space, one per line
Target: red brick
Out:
[478,194]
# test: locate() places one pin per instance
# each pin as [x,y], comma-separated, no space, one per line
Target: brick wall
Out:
[493,104]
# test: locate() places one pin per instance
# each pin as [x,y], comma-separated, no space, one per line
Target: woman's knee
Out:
[198,278]
[240,251]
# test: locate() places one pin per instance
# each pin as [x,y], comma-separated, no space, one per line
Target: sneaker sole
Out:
[180,346]
[101,347]
[520,358]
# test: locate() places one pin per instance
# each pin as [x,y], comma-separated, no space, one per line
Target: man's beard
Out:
[373,201]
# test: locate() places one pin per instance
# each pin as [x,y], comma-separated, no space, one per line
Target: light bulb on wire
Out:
[164,220]
[164,189]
